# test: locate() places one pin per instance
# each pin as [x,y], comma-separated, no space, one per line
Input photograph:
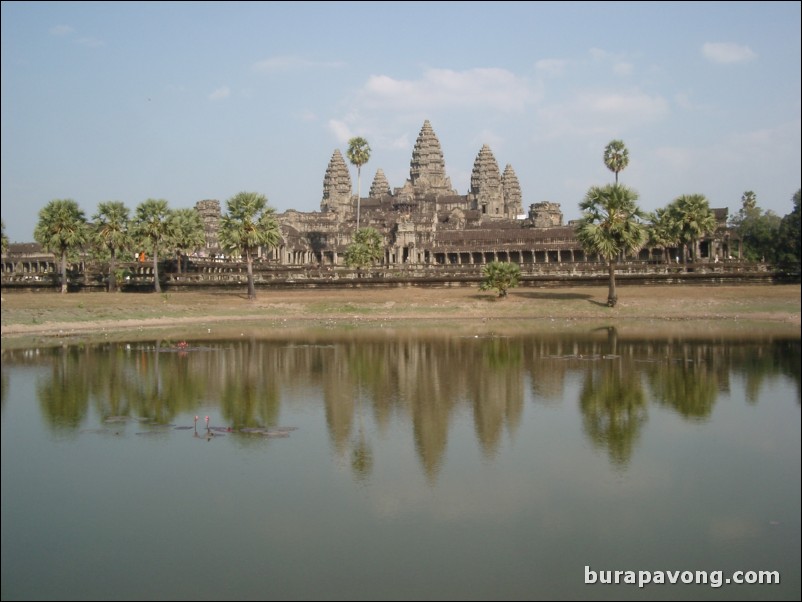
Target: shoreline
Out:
[33,319]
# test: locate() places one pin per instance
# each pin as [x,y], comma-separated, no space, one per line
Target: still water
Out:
[384,467]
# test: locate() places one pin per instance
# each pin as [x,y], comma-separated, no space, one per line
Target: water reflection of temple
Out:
[366,384]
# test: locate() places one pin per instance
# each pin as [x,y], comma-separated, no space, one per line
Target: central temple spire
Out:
[427,170]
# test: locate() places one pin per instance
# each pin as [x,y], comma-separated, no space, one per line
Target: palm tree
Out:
[748,201]
[62,228]
[111,232]
[616,157]
[663,232]
[610,227]
[366,249]
[358,154]
[500,276]
[694,219]
[186,232]
[152,225]
[249,224]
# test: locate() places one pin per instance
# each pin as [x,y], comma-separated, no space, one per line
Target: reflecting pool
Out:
[369,466]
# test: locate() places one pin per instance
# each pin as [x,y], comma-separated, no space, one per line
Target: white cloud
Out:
[622,68]
[552,67]
[597,54]
[677,158]
[489,88]
[684,101]
[290,62]
[596,113]
[402,142]
[493,140]
[727,52]
[749,160]
[220,93]
[61,30]
[342,132]
[619,63]
[381,131]
[636,104]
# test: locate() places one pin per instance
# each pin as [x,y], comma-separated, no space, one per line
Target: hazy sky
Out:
[189,101]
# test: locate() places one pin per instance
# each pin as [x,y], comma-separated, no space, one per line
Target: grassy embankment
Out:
[47,318]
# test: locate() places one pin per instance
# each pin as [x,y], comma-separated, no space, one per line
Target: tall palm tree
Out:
[748,200]
[186,232]
[610,227]
[358,154]
[694,219]
[616,157]
[152,225]
[250,223]
[62,228]
[111,232]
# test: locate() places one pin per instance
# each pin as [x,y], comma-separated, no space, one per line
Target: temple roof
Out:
[380,186]
[486,176]
[512,188]
[337,181]
[427,170]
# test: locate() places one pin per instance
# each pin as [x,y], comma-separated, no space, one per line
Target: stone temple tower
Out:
[513,199]
[487,192]
[210,215]
[380,186]
[427,170]
[336,185]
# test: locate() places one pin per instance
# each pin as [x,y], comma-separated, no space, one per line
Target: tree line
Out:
[612,226]
[63,229]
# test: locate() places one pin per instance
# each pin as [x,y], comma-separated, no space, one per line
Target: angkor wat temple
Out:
[424,224]
[426,221]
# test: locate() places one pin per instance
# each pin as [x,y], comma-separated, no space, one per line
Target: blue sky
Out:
[189,101]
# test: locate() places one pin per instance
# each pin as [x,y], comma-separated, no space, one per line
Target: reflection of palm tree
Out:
[689,388]
[249,395]
[613,409]
[361,453]
[64,396]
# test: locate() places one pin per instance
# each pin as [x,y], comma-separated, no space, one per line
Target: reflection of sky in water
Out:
[420,469]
